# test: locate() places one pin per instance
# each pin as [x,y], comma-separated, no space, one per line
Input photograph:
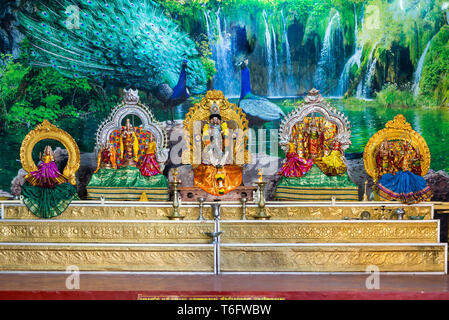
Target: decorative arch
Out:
[200,112]
[131,106]
[396,129]
[314,103]
[43,131]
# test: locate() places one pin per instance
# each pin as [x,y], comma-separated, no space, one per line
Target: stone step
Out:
[234,231]
[127,210]
[392,257]
[233,258]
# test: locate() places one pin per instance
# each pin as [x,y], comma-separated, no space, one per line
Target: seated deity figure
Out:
[396,158]
[403,184]
[295,165]
[129,145]
[47,192]
[216,174]
[332,164]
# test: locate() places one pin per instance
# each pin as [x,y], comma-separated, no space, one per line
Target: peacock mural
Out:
[124,42]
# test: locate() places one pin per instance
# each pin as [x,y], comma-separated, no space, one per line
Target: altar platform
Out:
[299,238]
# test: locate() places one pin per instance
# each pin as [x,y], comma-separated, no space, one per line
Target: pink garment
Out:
[295,166]
[149,166]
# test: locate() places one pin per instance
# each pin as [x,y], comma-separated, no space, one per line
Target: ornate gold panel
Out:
[330,232]
[78,212]
[333,258]
[101,258]
[105,232]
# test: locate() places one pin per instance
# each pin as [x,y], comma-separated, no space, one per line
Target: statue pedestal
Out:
[193,193]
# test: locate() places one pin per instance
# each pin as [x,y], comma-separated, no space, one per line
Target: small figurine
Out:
[295,165]
[149,166]
[106,158]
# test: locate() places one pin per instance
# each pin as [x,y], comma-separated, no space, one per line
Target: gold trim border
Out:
[405,258]
[101,258]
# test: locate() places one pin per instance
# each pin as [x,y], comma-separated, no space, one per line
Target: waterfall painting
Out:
[69,61]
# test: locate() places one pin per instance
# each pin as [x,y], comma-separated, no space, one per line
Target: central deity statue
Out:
[216,134]
[129,146]
[216,174]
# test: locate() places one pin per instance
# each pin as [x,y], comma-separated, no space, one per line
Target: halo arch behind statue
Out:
[43,131]
[314,103]
[131,106]
[200,112]
[396,129]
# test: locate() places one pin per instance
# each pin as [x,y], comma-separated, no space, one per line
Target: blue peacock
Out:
[258,109]
[129,43]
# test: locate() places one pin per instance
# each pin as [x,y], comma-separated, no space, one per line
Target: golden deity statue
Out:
[129,145]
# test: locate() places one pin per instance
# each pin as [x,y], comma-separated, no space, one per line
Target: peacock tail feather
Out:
[131,43]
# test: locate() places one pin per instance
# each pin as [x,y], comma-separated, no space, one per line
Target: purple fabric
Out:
[47,174]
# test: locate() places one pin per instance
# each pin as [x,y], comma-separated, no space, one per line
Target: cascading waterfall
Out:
[419,68]
[290,87]
[364,88]
[276,67]
[332,52]
[268,56]
[368,81]
[343,82]
[220,41]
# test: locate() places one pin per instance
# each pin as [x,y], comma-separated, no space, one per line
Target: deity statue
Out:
[217,174]
[46,191]
[295,164]
[315,139]
[384,158]
[416,161]
[106,158]
[403,184]
[215,139]
[149,166]
[332,164]
[47,174]
[129,145]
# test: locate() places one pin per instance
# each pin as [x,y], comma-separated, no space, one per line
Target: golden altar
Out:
[322,237]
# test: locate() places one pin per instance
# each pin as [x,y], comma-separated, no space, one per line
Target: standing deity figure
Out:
[384,158]
[315,139]
[129,145]
[416,163]
[149,166]
[106,158]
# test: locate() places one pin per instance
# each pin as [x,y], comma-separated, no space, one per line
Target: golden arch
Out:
[396,129]
[201,112]
[46,130]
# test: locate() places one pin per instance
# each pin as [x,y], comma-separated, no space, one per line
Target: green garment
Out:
[315,185]
[126,184]
[48,202]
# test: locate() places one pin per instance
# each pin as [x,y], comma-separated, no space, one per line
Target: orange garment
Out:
[204,177]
